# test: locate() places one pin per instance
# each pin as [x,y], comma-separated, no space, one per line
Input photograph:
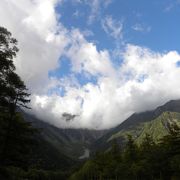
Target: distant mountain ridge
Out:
[136,123]
[71,142]
[74,142]
[157,128]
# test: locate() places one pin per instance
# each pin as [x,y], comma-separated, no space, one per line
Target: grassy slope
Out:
[157,128]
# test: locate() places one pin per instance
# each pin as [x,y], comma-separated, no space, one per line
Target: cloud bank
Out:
[144,79]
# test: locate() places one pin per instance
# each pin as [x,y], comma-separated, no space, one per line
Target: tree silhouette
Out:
[13,92]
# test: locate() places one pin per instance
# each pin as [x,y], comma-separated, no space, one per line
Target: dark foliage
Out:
[149,161]
[23,153]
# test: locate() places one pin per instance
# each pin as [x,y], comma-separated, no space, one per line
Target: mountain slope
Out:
[71,142]
[75,142]
[135,124]
[157,128]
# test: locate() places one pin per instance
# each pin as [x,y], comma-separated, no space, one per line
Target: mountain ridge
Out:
[74,142]
[71,142]
[135,120]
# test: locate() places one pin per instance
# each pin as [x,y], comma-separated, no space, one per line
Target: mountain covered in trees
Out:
[145,146]
[148,160]
[71,142]
[155,122]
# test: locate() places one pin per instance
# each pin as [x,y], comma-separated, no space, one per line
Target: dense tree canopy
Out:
[23,153]
[13,91]
[148,161]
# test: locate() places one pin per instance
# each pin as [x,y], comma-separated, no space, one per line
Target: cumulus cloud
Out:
[85,57]
[151,77]
[35,25]
[144,80]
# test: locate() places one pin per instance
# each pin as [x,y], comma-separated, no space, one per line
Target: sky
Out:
[98,61]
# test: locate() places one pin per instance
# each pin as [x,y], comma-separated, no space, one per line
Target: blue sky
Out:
[161,17]
[101,60]
[152,24]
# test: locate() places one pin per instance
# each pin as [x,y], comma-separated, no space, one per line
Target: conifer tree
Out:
[13,92]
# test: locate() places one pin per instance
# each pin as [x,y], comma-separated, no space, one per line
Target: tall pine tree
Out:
[13,92]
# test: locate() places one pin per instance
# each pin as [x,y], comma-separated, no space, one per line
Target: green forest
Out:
[147,161]
[23,155]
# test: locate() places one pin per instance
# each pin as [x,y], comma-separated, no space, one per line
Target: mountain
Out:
[157,128]
[155,122]
[74,143]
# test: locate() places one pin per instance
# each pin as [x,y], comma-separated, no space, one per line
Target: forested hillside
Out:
[71,142]
[148,160]
[155,122]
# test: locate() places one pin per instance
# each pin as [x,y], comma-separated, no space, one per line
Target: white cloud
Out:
[34,24]
[141,28]
[95,10]
[113,27]
[145,79]
[172,5]
[96,6]
[85,57]
[76,14]
[160,83]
